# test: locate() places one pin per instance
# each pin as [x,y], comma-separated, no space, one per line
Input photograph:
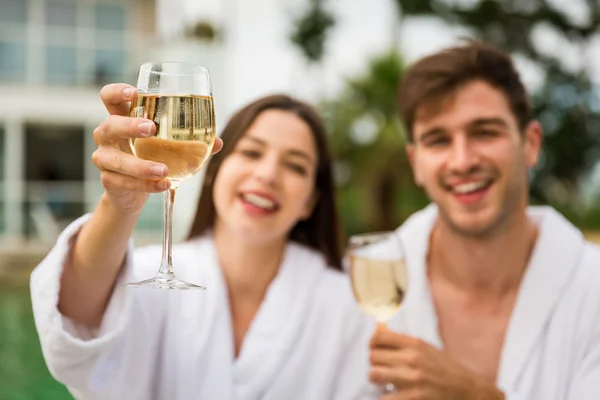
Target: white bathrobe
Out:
[308,341]
[552,345]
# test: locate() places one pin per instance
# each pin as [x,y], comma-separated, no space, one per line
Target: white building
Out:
[56,54]
[54,57]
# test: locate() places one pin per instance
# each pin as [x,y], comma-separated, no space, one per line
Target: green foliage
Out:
[202,30]
[375,182]
[23,372]
[374,171]
[567,105]
[310,31]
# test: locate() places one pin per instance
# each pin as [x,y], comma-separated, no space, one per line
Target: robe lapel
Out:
[277,325]
[554,259]
[418,310]
[551,267]
[208,345]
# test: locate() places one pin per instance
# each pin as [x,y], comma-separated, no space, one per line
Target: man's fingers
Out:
[400,377]
[386,357]
[410,357]
[385,338]
[404,394]
[117,97]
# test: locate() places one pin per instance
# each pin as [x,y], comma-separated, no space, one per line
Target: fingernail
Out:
[146,128]
[158,171]
[163,185]
[128,93]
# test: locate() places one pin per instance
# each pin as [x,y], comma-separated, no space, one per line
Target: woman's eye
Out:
[250,153]
[297,168]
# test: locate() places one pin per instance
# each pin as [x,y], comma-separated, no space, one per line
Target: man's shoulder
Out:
[592,248]
[586,281]
[591,257]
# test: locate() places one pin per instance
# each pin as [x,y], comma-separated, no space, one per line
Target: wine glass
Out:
[177,96]
[379,277]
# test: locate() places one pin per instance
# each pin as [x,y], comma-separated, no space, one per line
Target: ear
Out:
[310,205]
[532,138]
[410,152]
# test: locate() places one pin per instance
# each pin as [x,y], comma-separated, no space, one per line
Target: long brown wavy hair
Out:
[321,231]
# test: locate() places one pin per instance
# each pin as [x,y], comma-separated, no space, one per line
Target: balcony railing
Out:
[48,207]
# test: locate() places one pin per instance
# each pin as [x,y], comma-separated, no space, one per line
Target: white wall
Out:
[257,57]
[260,58]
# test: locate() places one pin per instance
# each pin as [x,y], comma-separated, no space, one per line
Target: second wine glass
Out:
[379,278]
[378,273]
[177,97]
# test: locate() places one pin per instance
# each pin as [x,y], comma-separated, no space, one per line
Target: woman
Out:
[278,320]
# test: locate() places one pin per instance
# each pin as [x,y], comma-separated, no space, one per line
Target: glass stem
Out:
[166,265]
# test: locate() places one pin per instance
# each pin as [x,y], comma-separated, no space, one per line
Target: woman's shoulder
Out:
[334,300]
[332,284]
[310,257]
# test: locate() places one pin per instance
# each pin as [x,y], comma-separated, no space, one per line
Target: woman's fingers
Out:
[113,160]
[217,146]
[116,128]
[117,97]
[119,183]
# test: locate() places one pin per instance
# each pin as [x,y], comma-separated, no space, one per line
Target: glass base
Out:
[388,388]
[374,391]
[165,281]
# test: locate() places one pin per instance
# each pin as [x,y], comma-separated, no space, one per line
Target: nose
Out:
[267,170]
[462,157]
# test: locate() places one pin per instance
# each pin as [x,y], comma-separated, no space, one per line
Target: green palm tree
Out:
[376,187]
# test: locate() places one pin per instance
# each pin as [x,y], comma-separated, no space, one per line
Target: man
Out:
[504,301]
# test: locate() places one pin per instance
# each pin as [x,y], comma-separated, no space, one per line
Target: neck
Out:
[248,266]
[493,265]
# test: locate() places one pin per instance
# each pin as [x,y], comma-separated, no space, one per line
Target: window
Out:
[12,62]
[13,11]
[110,16]
[73,42]
[61,64]
[61,13]
[109,66]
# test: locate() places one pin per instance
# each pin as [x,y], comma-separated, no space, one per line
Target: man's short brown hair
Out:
[433,79]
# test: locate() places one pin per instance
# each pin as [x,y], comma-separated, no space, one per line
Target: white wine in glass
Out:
[378,273]
[177,97]
[184,133]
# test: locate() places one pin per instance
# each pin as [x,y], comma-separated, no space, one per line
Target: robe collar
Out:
[552,264]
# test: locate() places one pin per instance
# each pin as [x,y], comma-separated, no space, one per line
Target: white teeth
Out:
[469,187]
[259,201]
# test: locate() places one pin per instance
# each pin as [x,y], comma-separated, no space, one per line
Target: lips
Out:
[470,187]
[259,202]
[470,192]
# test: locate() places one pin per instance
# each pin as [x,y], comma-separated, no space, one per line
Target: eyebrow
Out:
[431,133]
[293,152]
[436,131]
[499,122]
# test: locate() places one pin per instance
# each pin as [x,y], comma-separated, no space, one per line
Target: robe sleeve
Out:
[90,362]
[585,384]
